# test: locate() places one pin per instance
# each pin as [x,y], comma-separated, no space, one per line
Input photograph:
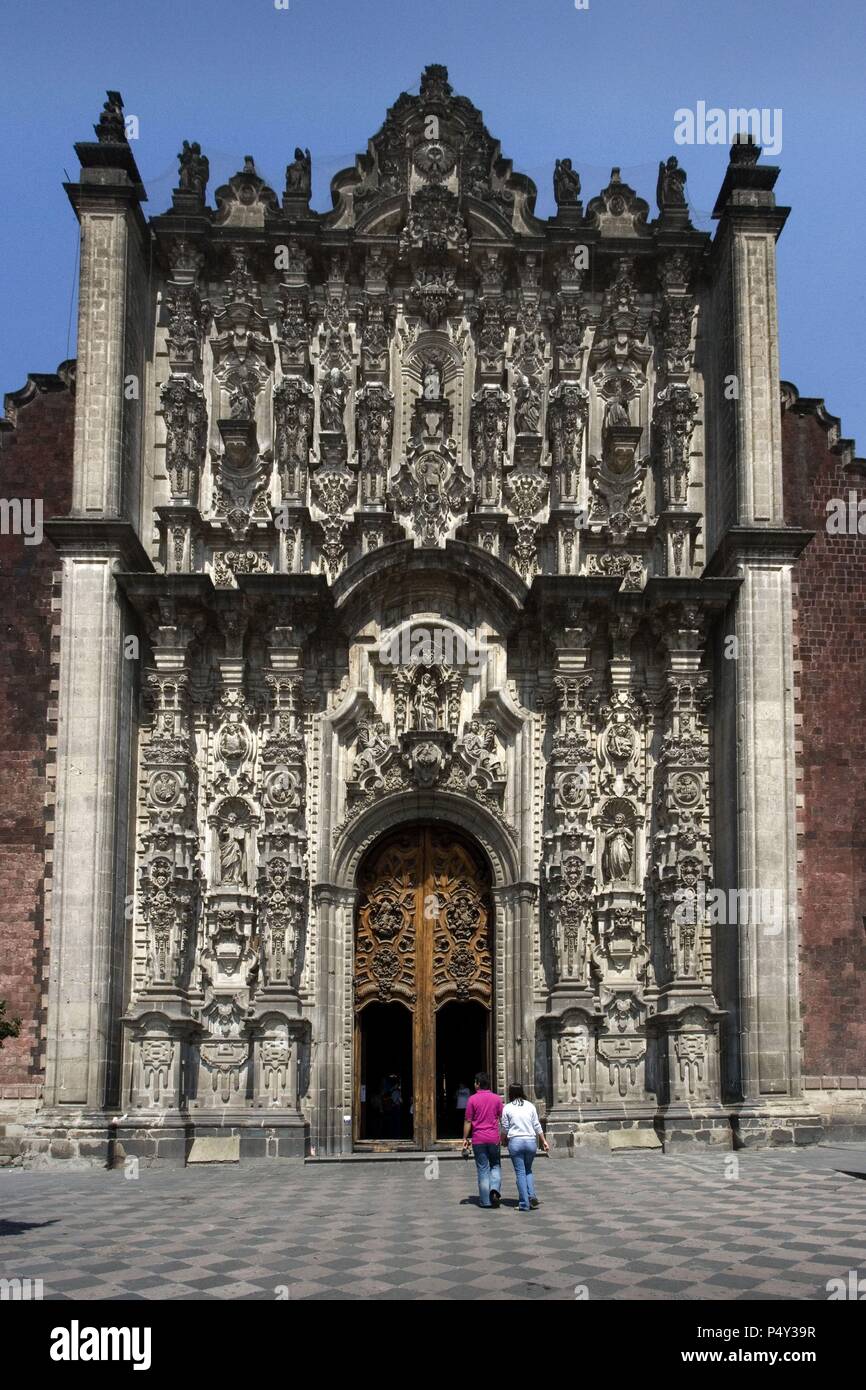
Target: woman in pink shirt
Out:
[482,1123]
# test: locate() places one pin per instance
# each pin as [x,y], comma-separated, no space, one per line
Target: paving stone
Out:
[361,1232]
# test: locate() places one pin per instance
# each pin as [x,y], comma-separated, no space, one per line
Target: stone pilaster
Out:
[757,747]
[92,833]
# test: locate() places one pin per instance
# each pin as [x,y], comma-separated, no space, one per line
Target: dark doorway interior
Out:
[461,1051]
[386,1072]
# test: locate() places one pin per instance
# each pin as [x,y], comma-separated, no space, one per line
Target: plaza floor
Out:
[644,1226]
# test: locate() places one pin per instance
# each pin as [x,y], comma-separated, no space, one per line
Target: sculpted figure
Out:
[670,189]
[373,744]
[334,401]
[616,412]
[299,174]
[426,703]
[479,741]
[232,843]
[618,851]
[566,184]
[194,168]
[527,410]
[431,383]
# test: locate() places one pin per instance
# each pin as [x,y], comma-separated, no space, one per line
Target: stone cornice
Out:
[779,544]
[86,537]
[558,591]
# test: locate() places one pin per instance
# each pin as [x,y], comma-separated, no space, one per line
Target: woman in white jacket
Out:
[522,1129]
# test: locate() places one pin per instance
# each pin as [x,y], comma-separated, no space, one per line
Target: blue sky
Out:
[600,85]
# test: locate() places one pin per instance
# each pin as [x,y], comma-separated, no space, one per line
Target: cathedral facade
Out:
[426,695]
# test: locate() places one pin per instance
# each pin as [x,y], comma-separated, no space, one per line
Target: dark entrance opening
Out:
[461,1051]
[386,1072]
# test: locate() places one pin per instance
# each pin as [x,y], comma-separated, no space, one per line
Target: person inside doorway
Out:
[523,1133]
[391,1104]
[483,1113]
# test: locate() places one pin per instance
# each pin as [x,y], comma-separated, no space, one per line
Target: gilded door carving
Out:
[422,939]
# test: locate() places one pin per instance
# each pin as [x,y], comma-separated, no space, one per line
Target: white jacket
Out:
[520,1120]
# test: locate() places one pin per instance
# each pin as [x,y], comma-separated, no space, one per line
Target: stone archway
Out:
[512,903]
[422,985]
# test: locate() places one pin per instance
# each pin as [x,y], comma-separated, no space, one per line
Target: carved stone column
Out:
[331,1078]
[684,1062]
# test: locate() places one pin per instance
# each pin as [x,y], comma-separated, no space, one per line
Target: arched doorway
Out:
[423,982]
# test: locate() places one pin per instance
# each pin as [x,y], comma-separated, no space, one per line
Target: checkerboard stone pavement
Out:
[641,1226]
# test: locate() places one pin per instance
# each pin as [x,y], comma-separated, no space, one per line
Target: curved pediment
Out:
[402,569]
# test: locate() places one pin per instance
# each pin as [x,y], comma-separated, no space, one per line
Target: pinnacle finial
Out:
[111,127]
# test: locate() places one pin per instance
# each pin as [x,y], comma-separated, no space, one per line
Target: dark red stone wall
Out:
[830,603]
[35,461]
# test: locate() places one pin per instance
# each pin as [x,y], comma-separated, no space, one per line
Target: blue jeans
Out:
[522,1152]
[489,1167]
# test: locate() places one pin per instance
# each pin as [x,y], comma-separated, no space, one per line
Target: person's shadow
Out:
[17,1228]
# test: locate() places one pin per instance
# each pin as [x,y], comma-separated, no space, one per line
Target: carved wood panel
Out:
[385,938]
[458,909]
[422,938]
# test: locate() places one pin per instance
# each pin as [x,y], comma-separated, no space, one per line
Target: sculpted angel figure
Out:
[618,851]
[373,744]
[479,741]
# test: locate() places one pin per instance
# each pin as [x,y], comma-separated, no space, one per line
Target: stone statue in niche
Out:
[566,184]
[425,703]
[527,409]
[232,838]
[242,388]
[616,412]
[618,851]
[299,175]
[334,401]
[431,382]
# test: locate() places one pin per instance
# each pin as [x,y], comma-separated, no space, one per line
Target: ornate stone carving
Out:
[374,418]
[673,423]
[431,490]
[628,568]
[293,434]
[185,415]
[246,200]
[488,432]
[434,290]
[334,490]
[435,226]
[567,414]
[617,210]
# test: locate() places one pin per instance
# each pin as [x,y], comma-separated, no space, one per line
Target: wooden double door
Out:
[423,987]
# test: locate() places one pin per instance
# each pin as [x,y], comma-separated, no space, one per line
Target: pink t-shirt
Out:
[483,1110]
